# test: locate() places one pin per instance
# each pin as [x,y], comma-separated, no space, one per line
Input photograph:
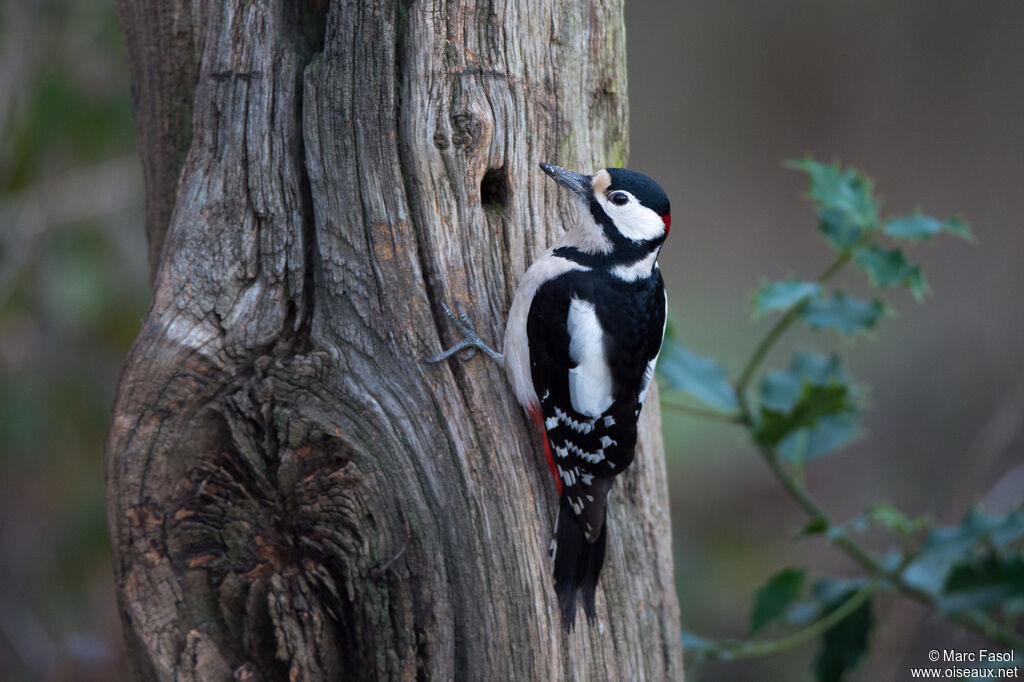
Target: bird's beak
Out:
[580,185]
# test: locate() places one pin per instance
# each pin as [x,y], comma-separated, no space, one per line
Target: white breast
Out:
[590,382]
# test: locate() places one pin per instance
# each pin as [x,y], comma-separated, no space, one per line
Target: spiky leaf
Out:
[808,410]
[845,643]
[775,596]
[783,295]
[946,546]
[842,313]
[701,377]
[886,267]
[984,583]
[917,226]
[844,201]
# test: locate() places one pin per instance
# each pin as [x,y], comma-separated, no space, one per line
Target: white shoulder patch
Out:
[516,347]
[590,382]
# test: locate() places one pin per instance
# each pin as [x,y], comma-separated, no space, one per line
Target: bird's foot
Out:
[471,341]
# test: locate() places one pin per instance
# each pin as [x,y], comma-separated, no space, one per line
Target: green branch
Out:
[725,651]
[732,417]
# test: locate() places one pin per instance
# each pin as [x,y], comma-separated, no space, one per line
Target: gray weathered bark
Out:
[291,491]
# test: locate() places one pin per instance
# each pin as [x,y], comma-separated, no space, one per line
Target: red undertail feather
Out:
[534,411]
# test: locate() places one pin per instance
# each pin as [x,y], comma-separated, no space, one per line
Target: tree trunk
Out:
[292,492]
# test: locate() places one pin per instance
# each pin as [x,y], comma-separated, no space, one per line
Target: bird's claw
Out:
[471,341]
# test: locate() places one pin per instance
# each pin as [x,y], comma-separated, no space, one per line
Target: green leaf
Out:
[959,228]
[783,295]
[829,434]
[843,199]
[814,403]
[845,643]
[891,518]
[917,226]
[984,583]
[912,227]
[808,410]
[886,267]
[839,231]
[947,546]
[843,314]
[701,377]
[775,596]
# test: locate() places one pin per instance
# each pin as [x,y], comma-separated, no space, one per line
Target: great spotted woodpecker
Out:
[581,343]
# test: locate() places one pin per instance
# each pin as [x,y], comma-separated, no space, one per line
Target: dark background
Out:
[924,95]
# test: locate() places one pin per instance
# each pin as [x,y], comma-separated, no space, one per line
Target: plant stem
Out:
[753,649]
[733,417]
[783,323]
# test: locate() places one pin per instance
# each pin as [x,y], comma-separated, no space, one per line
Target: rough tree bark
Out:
[292,493]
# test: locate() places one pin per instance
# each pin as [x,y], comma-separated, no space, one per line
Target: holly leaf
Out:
[946,546]
[886,267]
[838,229]
[984,583]
[843,200]
[775,596]
[808,410]
[814,403]
[959,228]
[912,227]
[842,313]
[845,643]
[783,295]
[917,226]
[701,377]
[829,434]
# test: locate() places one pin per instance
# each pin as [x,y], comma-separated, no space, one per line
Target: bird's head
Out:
[630,203]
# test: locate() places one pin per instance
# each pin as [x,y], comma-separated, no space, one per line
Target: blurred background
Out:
[926,96]
[73,288]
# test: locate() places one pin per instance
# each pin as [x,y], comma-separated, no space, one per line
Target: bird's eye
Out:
[619,198]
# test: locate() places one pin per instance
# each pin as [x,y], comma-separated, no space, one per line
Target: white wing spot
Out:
[609,421]
[587,478]
[606,441]
[561,452]
[550,423]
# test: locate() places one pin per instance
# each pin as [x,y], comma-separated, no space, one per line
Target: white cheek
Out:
[634,221]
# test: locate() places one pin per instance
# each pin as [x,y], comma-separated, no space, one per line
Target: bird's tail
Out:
[577,563]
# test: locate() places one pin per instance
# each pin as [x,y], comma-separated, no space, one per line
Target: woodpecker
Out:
[581,344]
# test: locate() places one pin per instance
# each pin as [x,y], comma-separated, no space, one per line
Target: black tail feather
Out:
[577,564]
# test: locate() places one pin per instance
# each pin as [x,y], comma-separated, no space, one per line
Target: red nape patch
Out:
[667,219]
[539,419]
